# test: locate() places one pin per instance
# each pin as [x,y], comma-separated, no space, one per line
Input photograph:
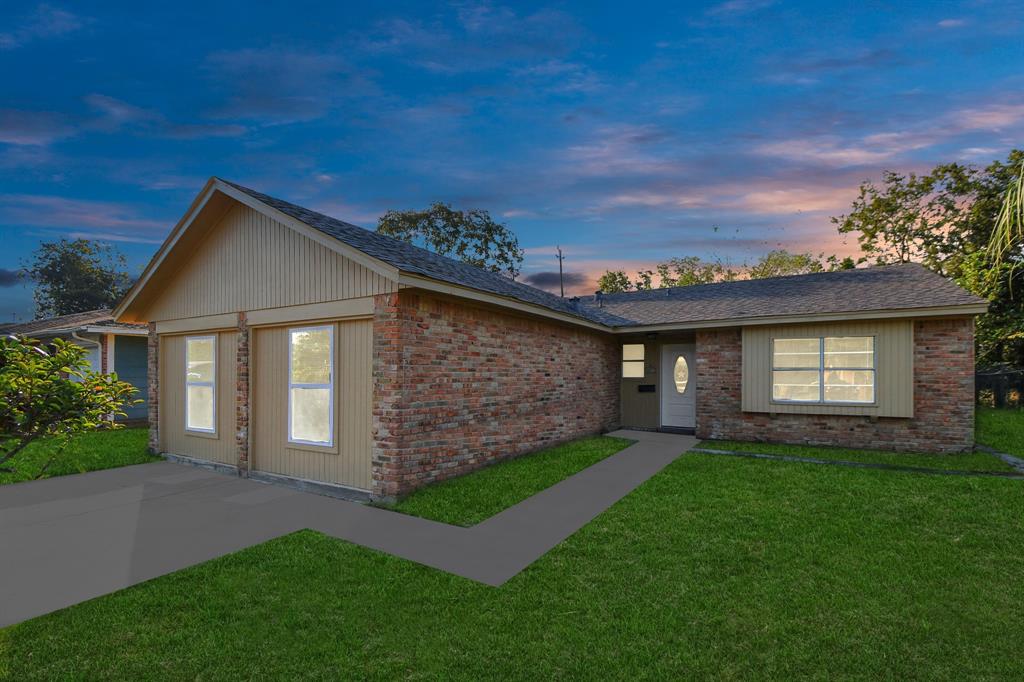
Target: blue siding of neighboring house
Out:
[130,357]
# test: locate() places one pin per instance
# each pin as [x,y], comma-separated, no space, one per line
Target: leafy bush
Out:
[50,392]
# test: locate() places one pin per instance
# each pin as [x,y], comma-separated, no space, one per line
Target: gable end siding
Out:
[251,262]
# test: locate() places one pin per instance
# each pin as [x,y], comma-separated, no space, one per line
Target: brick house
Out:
[286,344]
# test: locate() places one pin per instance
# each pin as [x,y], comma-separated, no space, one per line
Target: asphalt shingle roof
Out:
[101,317]
[895,287]
[892,287]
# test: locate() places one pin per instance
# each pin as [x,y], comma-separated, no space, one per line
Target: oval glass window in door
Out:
[681,374]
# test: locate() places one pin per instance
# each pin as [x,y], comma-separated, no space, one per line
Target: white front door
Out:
[678,386]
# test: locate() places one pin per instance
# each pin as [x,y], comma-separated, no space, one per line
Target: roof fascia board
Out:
[350,252]
[118,331]
[46,333]
[158,258]
[420,282]
[909,313]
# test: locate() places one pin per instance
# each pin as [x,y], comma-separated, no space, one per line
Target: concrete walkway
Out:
[72,538]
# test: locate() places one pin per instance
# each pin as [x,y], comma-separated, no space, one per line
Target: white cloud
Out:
[279,85]
[45,22]
[828,150]
[738,7]
[116,115]
[76,214]
[990,117]
[37,128]
[782,200]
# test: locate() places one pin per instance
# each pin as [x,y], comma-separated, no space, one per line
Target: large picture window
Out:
[201,383]
[311,385]
[828,369]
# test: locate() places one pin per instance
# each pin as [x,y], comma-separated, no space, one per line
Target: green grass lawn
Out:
[470,499]
[1001,429]
[87,452]
[968,461]
[715,568]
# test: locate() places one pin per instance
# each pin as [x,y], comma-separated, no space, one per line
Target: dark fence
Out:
[999,387]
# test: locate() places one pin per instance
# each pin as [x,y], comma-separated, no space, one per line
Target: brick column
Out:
[104,354]
[153,388]
[387,396]
[242,395]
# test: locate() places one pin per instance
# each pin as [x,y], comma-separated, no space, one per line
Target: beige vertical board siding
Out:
[894,357]
[642,409]
[348,462]
[251,262]
[218,447]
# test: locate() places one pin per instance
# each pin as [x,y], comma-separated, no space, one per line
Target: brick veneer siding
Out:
[457,387]
[105,354]
[153,387]
[242,395]
[943,398]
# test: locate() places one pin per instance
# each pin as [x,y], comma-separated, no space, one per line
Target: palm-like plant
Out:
[1008,234]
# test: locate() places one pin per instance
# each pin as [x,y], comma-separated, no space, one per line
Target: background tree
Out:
[72,276]
[834,263]
[614,282]
[689,270]
[902,221]
[470,236]
[1008,235]
[947,220]
[52,394]
[779,263]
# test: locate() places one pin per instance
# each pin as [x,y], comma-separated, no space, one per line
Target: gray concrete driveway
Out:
[72,538]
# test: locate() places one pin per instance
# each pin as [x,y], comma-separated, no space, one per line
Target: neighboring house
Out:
[288,343]
[110,346]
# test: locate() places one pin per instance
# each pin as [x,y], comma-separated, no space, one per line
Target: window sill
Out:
[309,447]
[815,403]
[212,435]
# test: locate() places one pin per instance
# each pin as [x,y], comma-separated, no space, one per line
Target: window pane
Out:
[850,386]
[632,370]
[311,418]
[681,374]
[850,351]
[795,353]
[311,356]
[796,385]
[633,351]
[199,407]
[199,359]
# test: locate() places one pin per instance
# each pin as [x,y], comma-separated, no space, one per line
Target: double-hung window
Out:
[201,383]
[827,369]
[311,385]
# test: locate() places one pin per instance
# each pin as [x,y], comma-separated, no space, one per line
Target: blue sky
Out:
[627,133]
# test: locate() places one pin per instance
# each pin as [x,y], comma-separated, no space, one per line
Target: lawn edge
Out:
[859,465]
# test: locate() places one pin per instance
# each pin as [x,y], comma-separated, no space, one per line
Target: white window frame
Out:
[212,384]
[821,369]
[330,386]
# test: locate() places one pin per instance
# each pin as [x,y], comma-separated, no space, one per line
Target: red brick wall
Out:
[457,387]
[943,398]
[242,395]
[104,355]
[153,388]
